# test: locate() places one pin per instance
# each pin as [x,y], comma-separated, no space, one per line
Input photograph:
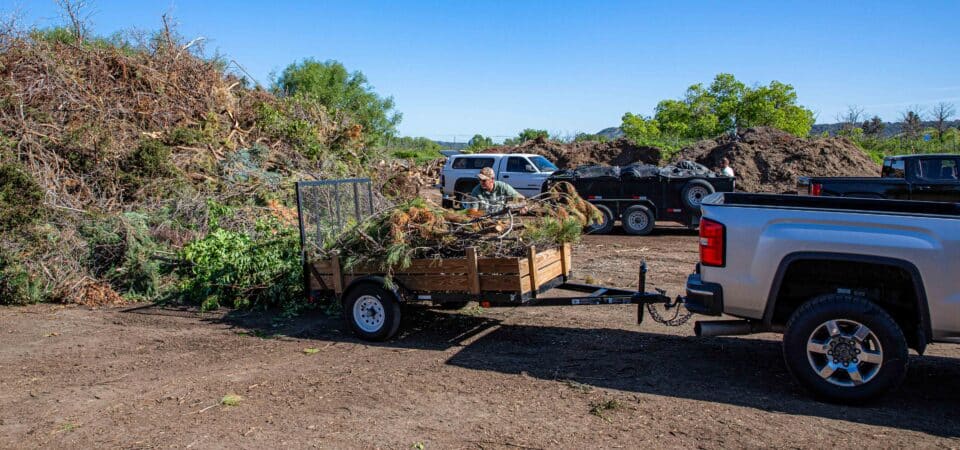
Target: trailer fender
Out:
[395,287]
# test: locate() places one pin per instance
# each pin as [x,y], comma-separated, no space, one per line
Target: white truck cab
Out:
[525,172]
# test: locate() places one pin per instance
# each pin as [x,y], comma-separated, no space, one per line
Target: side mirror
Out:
[530,168]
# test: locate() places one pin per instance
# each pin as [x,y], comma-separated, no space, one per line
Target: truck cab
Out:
[526,173]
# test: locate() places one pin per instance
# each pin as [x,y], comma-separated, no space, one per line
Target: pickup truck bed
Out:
[801,265]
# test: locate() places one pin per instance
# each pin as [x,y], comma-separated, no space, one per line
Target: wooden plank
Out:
[434,283]
[503,265]
[501,283]
[323,265]
[427,266]
[565,259]
[472,276]
[337,276]
[532,262]
[547,257]
[549,272]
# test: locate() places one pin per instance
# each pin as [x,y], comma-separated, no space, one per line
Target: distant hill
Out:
[611,133]
[890,129]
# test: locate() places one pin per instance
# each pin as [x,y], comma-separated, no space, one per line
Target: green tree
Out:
[478,142]
[728,105]
[640,129]
[331,85]
[528,134]
[874,127]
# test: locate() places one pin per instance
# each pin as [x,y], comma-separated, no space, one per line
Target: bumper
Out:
[703,297]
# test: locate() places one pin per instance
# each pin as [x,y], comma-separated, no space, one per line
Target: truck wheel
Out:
[638,219]
[694,192]
[845,349]
[606,225]
[446,203]
[372,311]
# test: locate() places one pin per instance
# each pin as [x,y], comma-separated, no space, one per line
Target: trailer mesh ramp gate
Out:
[327,207]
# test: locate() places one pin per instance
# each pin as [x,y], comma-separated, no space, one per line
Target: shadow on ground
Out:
[736,371]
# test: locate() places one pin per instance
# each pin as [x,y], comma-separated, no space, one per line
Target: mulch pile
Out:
[770,160]
[618,152]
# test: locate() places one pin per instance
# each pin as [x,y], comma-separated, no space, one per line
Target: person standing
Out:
[726,169]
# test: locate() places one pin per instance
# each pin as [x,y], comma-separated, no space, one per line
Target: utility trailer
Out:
[371,299]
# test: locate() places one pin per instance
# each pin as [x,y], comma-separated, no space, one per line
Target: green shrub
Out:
[229,268]
[17,285]
[121,251]
[21,198]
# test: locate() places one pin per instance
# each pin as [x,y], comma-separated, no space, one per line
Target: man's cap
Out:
[486,173]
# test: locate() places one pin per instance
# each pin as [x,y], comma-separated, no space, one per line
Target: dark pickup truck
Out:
[912,177]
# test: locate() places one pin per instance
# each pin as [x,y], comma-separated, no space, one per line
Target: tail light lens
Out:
[815,189]
[713,238]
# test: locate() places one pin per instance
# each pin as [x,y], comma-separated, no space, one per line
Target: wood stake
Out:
[532,262]
[337,276]
[565,259]
[473,275]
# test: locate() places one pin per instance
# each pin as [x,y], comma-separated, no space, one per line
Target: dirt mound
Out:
[770,160]
[618,152]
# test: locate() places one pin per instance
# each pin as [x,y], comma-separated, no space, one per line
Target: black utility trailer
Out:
[640,194]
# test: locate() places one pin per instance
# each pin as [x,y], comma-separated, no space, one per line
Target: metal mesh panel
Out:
[328,207]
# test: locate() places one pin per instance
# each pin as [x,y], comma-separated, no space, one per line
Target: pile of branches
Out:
[417,229]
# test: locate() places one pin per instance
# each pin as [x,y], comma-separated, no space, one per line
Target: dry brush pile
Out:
[115,155]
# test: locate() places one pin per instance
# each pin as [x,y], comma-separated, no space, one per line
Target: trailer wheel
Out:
[844,348]
[638,220]
[605,226]
[372,310]
[694,192]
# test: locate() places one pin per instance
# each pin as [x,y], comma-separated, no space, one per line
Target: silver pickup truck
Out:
[851,283]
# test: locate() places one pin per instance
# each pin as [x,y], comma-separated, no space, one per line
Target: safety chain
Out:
[674,321]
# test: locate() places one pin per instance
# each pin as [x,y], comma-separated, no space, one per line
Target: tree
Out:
[941,113]
[478,142]
[849,119]
[331,85]
[528,134]
[912,124]
[639,129]
[727,105]
[873,127]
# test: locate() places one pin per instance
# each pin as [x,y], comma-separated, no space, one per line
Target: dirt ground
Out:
[570,377]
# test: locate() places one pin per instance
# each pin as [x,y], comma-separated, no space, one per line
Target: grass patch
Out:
[311,351]
[579,387]
[231,400]
[600,408]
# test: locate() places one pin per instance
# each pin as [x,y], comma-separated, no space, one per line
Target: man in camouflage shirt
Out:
[491,196]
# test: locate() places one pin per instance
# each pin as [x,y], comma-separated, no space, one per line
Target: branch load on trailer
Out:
[371,298]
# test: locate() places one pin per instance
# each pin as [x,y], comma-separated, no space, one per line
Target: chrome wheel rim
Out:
[368,313]
[638,220]
[845,352]
[696,194]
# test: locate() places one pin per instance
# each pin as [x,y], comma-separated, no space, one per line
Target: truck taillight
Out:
[712,243]
[815,189]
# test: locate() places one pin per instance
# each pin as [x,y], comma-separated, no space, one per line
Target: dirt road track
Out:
[499,378]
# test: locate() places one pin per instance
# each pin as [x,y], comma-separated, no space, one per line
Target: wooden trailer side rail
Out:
[469,275]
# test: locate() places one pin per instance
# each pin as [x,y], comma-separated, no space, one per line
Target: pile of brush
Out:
[417,229]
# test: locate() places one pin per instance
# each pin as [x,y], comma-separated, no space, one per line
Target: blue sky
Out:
[456,68]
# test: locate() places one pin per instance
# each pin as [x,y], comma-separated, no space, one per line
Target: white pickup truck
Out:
[851,283]
[525,172]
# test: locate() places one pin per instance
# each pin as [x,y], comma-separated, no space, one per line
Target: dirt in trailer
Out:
[495,378]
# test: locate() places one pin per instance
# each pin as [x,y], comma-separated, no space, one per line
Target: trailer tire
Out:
[693,193]
[606,225]
[638,220]
[372,311]
[871,347]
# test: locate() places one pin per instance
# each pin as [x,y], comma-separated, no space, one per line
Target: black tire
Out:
[638,220]
[450,306]
[377,317]
[693,193]
[885,344]
[604,227]
[446,203]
